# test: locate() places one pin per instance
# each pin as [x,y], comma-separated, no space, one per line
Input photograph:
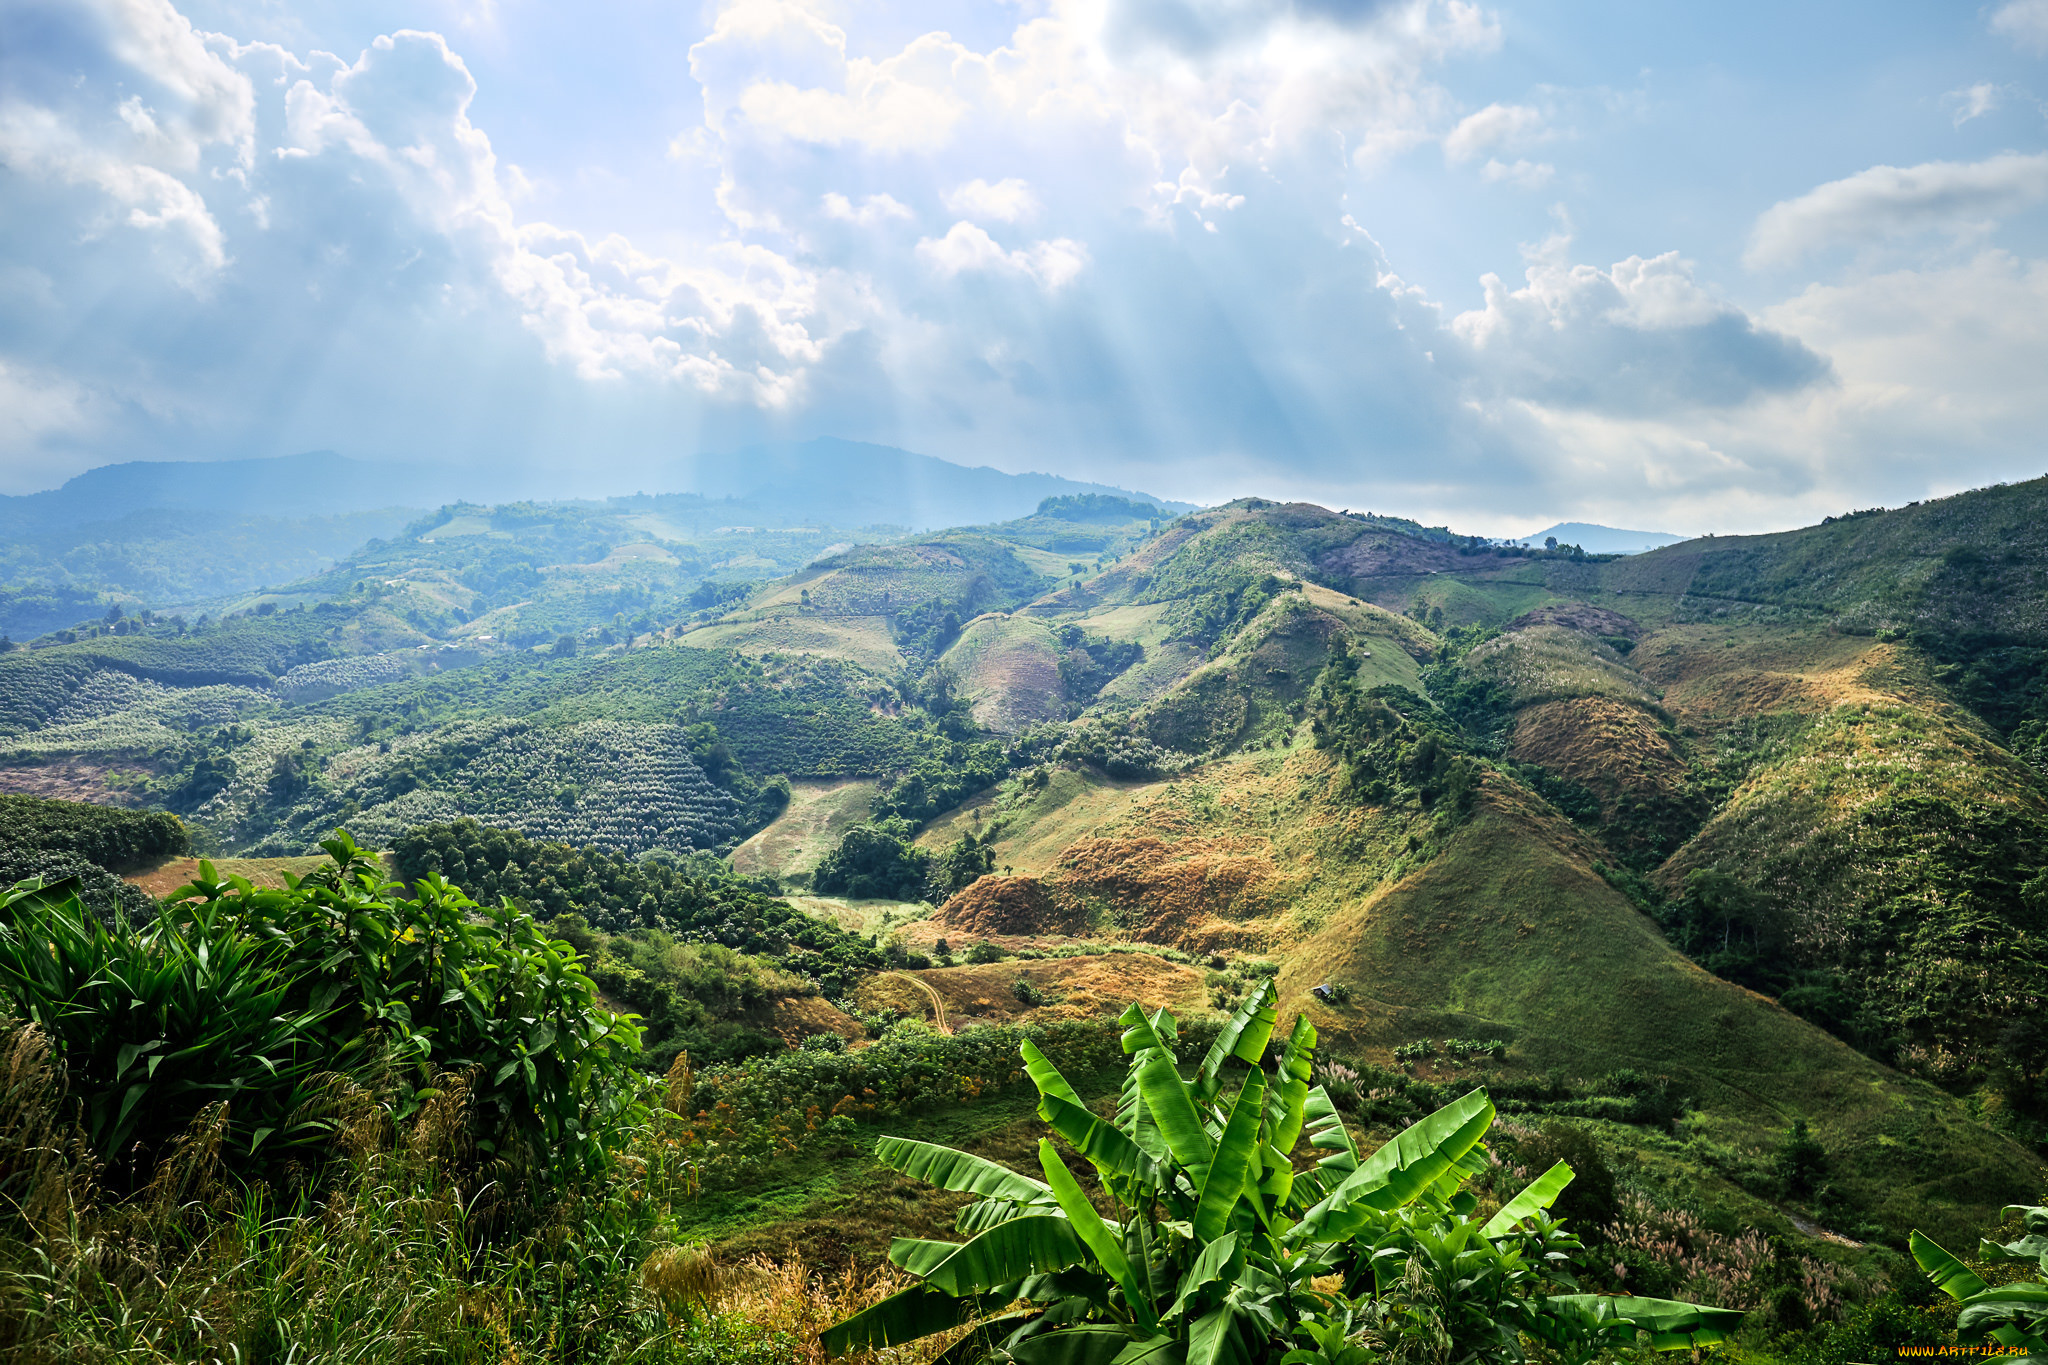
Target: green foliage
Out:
[875,861]
[115,839]
[941,779]
[1211,616]
[2014,1315]
[617,895]
[1800,1162]
[1214,1239]
[55,841]
[259,999]
[960,864]
[1089,663]
[1394,745]
[700,998]
[1482,708]
[910,1069]
[1097,507]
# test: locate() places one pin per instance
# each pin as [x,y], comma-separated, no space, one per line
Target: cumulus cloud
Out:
[2024,23]
[873,208]
[1641,337]
[1155,271]
[1497,127]
[1007,201]
[1889,202]
[967,247]
[1523,174]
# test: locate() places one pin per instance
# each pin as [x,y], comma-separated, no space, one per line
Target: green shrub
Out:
[265,1000]
[875,862]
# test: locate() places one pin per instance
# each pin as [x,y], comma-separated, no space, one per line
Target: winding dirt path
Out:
[938,1005]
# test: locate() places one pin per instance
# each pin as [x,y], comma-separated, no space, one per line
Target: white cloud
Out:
[2024,23]
[966,247]
[1973,101]
[38,142]
[1007,201]
[1524,174]
[1639,338]
[1497,127]
[874,208]
[1888,202]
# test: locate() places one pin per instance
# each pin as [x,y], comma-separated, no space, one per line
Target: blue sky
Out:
[1692,268]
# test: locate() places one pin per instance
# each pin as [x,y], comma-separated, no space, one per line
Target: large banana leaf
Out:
[1209,1267]
[1326,1133]
[1222,1336]
[955,1170]
[1286,1104]
[1242,1036]
[1537,1196]
[1953,1277]
[984,1214]
[2022,1305]
[1673,1326]
[1096,1344]
[1031,1245]
[1090,1228]
[1046,1076]
[1394,1175]
[1109,1150]
[1144,1032]
[1172,1106]
[918,1311]
[1134,1120]
[1236,1157]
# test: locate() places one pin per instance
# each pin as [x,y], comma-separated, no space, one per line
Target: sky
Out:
[1697,268]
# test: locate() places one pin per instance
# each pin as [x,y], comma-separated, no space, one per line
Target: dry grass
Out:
[1009,672]
[818,815]
[1613,748]
[863,640]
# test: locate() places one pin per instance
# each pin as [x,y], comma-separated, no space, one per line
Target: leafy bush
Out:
[960,865]
[259,999]
[875,861]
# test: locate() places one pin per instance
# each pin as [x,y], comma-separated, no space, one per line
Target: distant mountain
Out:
[1602,540]
[854,484]
[832,482]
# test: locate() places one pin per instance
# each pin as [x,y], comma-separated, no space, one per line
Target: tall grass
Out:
[402,1249]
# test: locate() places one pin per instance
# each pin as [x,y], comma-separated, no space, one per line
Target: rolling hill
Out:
[1757,823]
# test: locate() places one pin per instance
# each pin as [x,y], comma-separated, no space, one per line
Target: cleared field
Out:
[173,873]
[818,815]
[1087,987]
[863,640]
[1009,671]
[879,918]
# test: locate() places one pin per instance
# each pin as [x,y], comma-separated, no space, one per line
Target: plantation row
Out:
[618,786]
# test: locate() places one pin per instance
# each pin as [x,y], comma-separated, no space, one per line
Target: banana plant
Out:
[2013,1315]
[1203,1242]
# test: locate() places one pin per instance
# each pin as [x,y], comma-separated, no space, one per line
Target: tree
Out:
[1215,1242]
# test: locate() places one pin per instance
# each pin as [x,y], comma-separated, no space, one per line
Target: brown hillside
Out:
[1007,906]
